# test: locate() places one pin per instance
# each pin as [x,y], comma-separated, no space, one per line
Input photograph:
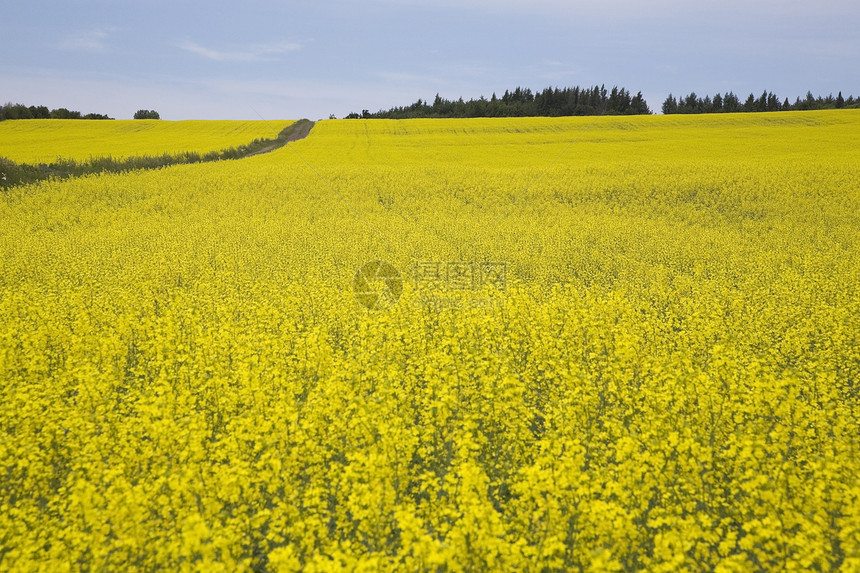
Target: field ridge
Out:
[13,174]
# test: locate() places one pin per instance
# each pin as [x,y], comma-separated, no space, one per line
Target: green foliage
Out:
[522,102]
[767,101]
[20,111]
[63,113]
[12,174]
[670,105]
[146,114]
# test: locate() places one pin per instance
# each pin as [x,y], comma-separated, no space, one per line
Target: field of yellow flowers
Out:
[596,344]
[46,140]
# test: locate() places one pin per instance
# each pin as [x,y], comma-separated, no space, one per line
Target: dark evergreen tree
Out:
[638,106]
[772,102]
[692,103]
[717,103]
[761,102]
[670,105]
[731,103]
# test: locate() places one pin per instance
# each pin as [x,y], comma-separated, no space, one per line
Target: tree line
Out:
[522,102]
[21,111]
[767,101]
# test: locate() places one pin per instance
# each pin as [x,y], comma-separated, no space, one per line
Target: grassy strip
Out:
[13,174]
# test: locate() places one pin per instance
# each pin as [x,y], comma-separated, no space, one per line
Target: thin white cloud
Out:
[254,53]
[94,40]
[436,75]
[636,8]
[556,71]
[406,78]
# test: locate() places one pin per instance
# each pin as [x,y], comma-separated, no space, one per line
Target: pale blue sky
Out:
[285,60]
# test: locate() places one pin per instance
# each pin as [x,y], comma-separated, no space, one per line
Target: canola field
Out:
[37,141]
[593,344]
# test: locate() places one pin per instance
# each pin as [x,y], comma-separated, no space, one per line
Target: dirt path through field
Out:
[300,130]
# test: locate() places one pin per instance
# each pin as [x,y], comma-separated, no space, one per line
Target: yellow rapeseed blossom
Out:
[622,343]
[37,141]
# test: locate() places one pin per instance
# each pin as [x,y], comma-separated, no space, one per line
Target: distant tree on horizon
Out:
[146,114]
[670,105]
